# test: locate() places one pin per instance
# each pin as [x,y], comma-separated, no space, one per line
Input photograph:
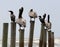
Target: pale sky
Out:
[51,7]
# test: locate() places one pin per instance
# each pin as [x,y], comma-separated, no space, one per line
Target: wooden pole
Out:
[5,35]
[49,38]
[31,33]
[52,39]
[21,37]
[41,36]
[45,38]
[13,34]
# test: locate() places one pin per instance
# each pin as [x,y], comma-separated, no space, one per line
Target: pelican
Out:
[21,21]
[32,14]
[12,16]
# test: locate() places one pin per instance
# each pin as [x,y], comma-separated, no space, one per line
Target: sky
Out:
[50,7]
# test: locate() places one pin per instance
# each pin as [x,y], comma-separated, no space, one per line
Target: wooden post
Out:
[21,37]
[49,38]
[32,22]
[45,38]
[41,36]
[13,34]
[5,35]
[52,39]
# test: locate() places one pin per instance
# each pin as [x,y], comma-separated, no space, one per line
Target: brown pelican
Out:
[42,20]
[21,21]
[12,16]
[32,14]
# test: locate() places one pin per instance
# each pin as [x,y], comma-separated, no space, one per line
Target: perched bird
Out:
[32,14]
[42,20]
[21,21]
[48,23]
[12,16]
[44,16]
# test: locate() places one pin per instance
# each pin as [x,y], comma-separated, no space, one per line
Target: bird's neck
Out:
[48,21]
[11,14]
[20,17]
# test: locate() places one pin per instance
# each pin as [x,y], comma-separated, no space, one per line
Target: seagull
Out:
[21,21]
[32,14]
[12,16]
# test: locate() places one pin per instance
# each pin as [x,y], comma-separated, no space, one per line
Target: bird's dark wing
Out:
[13,18]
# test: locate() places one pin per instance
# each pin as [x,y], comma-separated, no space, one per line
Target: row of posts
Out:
[42,40]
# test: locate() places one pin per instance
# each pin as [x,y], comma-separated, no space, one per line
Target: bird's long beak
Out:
[38,16]
[9,11]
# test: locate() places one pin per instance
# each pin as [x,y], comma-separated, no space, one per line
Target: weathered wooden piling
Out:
[49,38]
[45,38]
[32,22]
[52,39]
[41,36]
[13,34]
[5,35]
[21,37]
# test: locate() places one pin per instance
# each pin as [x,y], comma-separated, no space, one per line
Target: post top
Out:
[5,23]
